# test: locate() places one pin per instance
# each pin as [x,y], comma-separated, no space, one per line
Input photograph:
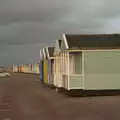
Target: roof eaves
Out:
[47,52]
[59,42]
[44,56]
[40,54]
[65,41]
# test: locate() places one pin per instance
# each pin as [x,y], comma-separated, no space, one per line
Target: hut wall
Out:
[58,73]
[50,71]
[66,68]
[102,70]
[54,72]
[41,71]
[45,72]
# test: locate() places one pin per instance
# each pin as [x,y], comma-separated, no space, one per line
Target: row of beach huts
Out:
[27,68]
[82,63]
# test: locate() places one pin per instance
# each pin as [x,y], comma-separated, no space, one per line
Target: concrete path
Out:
[22,97]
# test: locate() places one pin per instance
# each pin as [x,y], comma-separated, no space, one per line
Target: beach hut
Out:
[41,66]
[50,58]
[22,68]
[91,62]
[15,68]
[36,68]
[58,66]
[45,66]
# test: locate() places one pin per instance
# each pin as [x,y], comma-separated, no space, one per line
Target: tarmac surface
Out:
[22,97]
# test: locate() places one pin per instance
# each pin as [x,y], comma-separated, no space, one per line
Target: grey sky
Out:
[28,25]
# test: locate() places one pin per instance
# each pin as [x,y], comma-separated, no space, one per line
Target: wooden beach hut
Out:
[45,66]
[41,66]
[50,58]
[91,62]
[58,66]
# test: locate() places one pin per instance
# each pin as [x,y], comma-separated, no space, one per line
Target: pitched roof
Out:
[41,54]
[58,46]
[44,53]
[60,43]
[101,41]
[50,51]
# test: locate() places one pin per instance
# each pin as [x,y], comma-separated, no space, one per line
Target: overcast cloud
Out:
[28,25]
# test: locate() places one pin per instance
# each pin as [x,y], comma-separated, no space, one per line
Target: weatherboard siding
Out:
[102,70]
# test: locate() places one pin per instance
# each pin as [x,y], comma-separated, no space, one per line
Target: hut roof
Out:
[50,51]
[95,41]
